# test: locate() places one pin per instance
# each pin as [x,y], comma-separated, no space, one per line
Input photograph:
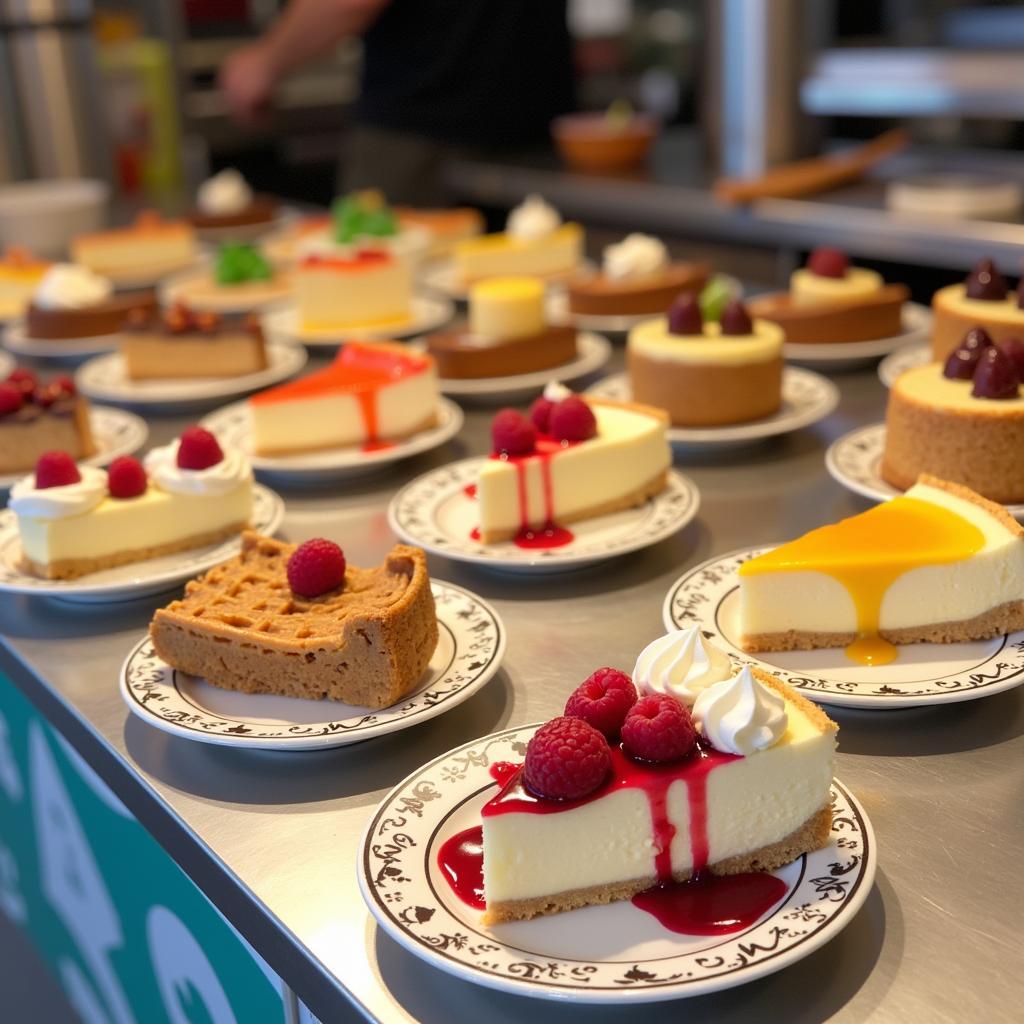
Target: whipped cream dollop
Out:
[682,664]
[741,715]
[635,256]
[70,286]
[555,391]
[163,469]
[227,192]
[59,502]
[533,218]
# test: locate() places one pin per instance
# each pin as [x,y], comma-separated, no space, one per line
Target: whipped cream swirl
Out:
[533,218]
[555,391]
[69,286]
[741,715]
[227,192]
[635,256]
[163,469]
[59,502]
[682,664]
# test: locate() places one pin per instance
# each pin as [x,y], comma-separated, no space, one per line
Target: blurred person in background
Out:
[440,79]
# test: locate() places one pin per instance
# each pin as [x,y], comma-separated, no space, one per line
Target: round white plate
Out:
[229,300]
[60,349]
[917,321]
[604,954]
[592,352]
[233,425]
[807,397]
[429,312]
[104,378]
[127,582]
[854,460]
[903,359]
[440,276]
[151,277]
[470,646]
[114,431]
[7,364]
[708,596]
[436,512]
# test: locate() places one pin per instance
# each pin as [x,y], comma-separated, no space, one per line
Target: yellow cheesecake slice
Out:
[369,287]
[940,564]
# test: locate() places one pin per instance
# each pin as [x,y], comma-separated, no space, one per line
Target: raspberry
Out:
[827,262]
[566,759]
[126,478]
[512,433]
[198,449]
[735,319]
[572,420]
[63,385]
[603,700]
[540,413]
[316,567]
[24,380]
[684,316]
[11,398]
[658,728]
[56,469]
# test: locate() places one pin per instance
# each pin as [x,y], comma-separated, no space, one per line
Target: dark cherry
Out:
[684,315]
[1014,348]
[826,262]
[735,319]
[963,361]
[986,283]
[996,376]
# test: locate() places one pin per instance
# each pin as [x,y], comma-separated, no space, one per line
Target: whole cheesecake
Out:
[983,300]
[710,374]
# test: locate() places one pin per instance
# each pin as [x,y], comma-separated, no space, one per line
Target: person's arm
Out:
[306,30]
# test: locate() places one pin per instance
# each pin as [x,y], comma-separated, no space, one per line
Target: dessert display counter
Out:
[272,837]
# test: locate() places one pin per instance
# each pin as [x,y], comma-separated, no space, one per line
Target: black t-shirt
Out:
[486,72]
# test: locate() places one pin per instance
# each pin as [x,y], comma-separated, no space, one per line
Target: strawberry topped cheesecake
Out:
[75,519]
[573,458]
[645,787]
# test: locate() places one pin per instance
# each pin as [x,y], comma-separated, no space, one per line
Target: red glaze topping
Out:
[827,262]
[56,469]
[126,478]
[316,567]
[566,759]
[362,259]
[603,700]
[198,449]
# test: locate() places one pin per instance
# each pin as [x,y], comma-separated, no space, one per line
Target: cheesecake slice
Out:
[940,564]
[370,395]
[366,288]
[149,246]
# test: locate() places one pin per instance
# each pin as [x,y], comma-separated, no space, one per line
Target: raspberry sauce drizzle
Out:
[461,860]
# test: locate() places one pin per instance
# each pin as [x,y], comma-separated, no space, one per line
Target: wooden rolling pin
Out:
[819,174]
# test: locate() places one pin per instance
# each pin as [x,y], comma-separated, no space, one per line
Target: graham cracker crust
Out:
[73,568]
[812,835]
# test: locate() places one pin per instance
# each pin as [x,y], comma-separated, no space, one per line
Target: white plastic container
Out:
[43,216]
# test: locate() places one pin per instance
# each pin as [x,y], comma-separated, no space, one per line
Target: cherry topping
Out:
[996,376]
[126,478]
[540,413]
[603,699]
[512,433]
[986,283]
[1014,348]
[25,380]
[684,316]
[826,262]
[63,385]
[198,449]
[735,319]
[658,728]
[566,759]
[572,420]
[11,398]
[963,360]
[315,567]
[56,469]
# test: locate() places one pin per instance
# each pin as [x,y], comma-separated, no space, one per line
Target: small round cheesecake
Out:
[954,313]
[936,425]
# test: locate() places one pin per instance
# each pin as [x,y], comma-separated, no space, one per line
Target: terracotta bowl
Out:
[587,143]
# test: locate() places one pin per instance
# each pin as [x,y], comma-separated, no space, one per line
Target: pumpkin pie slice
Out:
[241,627]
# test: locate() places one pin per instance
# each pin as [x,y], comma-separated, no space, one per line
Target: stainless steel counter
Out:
[272,837]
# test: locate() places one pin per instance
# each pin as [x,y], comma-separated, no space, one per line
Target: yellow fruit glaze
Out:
[652,338]
[565,233]
[869,552]
[507,307]
[927,385]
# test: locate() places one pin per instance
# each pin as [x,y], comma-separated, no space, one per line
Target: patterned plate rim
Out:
[840,889]
[73,590]
[892,365]
[143,674]
[850,351]
[450,420]
[680,489]
[970,684]
[825,403]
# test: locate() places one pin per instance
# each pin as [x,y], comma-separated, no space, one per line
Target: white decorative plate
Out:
[71,350]
[114,431]
[917,321]
[807,397]
[436,512]
[104,378]
[429,312]
[592,352]
[224,300]
[903,359]
[440,276]
[708,596]
[854,460]
[127,582]
[611,954]
[471,644]
[233,425]
[150,277]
